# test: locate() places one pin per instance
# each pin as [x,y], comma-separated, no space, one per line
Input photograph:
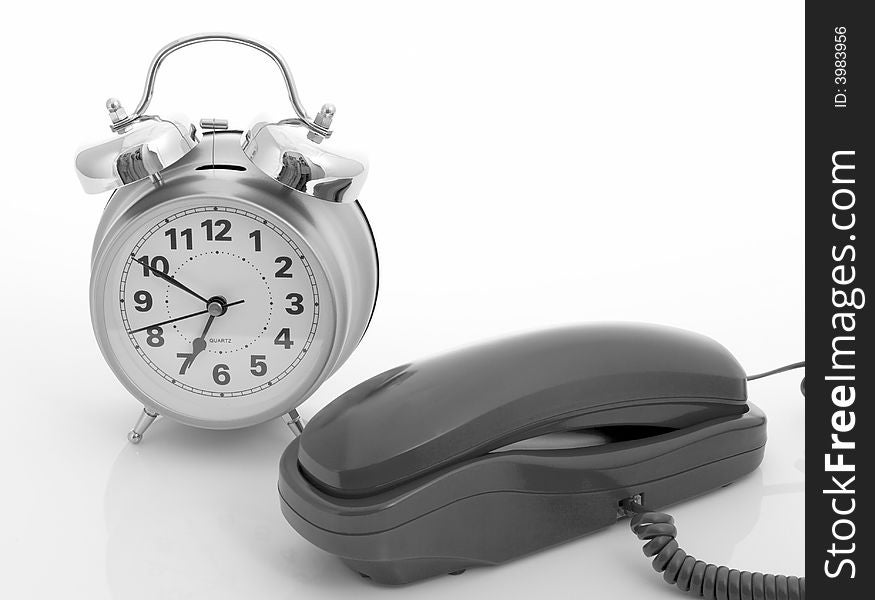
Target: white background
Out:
[532,164]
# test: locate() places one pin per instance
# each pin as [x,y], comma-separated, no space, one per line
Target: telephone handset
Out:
[423,416]
[491,452]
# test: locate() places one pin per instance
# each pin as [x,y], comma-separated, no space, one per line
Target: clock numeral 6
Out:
[159,263]
[223,227]
[155,337]
[286,263]
[284,338]
[221,375]
[297,306]
[143,299]
[258,364]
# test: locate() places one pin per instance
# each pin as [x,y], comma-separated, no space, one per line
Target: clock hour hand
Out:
[198,345]
[170,279]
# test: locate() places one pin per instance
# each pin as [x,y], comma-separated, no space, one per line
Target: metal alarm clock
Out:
[232,271]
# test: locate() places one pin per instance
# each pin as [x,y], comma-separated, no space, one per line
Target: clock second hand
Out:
[188,316]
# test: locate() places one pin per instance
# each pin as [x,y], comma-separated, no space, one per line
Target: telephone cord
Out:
[701,579]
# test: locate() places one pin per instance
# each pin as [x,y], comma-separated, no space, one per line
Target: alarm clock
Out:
[232,271]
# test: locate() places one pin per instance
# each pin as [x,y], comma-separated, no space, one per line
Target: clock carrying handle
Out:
[318,126]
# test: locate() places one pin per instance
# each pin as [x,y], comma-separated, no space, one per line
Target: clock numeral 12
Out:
[223,227]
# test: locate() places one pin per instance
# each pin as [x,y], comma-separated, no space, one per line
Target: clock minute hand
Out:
[171,280]
[188,316]
[169,321]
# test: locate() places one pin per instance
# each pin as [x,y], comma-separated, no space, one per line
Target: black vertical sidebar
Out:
[840,371]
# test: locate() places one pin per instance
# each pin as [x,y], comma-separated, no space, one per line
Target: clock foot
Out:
[295,422]
[147,417]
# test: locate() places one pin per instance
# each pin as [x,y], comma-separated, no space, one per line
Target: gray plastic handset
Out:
[426,415]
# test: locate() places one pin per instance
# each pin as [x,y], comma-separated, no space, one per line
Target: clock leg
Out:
[295,422]
[147,417]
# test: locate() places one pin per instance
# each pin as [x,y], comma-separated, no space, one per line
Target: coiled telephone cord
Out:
[701,579]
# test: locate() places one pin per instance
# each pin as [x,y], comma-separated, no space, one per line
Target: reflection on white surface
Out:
[192,513]
[195,514]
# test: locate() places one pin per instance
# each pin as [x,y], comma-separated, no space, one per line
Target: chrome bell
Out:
[290,153]
[143,149]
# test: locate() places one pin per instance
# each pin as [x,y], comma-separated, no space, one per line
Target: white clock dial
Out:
[219,301]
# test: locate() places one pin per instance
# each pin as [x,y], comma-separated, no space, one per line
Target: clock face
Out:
[218,302]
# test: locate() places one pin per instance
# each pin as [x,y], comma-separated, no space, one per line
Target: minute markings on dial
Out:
[188,316]
[247,264]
